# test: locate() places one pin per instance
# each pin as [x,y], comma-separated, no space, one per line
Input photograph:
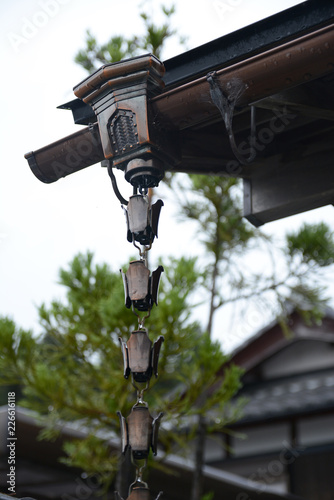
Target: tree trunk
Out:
[197,486]
[212,297]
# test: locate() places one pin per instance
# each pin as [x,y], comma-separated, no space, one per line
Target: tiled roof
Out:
[298,394]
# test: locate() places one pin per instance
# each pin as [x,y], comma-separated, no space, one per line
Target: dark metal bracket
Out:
[226,105]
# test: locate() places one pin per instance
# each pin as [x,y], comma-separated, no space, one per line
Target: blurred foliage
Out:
[118,47]
[313,243]
[292,274]
[208,496]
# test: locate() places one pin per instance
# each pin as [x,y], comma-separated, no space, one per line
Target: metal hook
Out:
[136,246]
[139,472]
[135,313]
[140,393]
[141,321]
[142,251]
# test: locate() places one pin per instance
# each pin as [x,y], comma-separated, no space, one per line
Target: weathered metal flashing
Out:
[250,40]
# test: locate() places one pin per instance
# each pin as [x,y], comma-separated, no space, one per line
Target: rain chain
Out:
[139,431]
[129,133]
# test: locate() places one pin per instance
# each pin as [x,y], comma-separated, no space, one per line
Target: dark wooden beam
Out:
[291,186]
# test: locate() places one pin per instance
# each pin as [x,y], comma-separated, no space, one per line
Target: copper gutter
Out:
[66,156]
[296,62]
[293,63]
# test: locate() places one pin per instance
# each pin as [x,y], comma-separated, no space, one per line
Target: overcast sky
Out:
[43,226]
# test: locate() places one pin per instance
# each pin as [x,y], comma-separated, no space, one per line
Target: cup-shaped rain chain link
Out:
[141,289]
[140,431]
[142,219]
[140,358]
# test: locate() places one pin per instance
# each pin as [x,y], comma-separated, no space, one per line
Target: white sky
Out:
[43,226]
